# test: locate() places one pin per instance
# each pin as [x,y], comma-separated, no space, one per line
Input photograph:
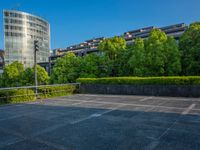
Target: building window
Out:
[6,20]
[6,14]
[12,14]
[6,27]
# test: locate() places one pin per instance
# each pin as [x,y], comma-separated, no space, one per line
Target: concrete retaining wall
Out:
[152,90]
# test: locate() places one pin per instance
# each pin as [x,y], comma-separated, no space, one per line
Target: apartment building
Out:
[90,46]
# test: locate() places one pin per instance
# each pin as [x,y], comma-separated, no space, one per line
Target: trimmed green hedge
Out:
[53,91]
[173,80]
[17,96]
[27,95]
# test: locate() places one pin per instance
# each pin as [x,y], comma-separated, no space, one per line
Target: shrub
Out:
[17,96]
[173,80]
[53,91]
[22,95]
[27,95]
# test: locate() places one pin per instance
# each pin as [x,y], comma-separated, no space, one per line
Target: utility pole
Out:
[36,48]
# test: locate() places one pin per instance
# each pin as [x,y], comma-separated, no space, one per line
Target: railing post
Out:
[36,48]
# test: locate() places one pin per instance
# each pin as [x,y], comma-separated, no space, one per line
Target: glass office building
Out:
[20,31]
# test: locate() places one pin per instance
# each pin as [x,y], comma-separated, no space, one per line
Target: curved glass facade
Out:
[20,31]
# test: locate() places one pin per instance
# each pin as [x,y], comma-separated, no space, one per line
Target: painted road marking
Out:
[188,109]
[95,115]
[144,99]
[143,105]
[118,103]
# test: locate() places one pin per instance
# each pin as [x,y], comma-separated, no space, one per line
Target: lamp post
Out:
[36,48]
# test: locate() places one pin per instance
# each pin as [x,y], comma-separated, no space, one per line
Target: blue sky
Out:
[74,21]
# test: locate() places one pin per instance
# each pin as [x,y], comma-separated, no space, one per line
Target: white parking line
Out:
[110,96]
[78,103]
[142,105]
[95,115]
[186,111]
[170,127]
[144,99]
[152,145]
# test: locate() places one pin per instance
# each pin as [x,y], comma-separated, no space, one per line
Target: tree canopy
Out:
[66,69]
[12,75]
[71,67]
[156,56]
[137,59]
[172,64]
[113,47]
[42,76]
[93,65]
[15,75]
[155,53]
[190,48]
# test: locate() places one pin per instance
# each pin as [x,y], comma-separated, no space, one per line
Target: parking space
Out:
[102,122]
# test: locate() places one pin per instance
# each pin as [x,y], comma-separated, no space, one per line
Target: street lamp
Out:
[36,48]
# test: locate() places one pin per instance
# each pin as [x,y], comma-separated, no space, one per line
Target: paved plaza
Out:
[102,122]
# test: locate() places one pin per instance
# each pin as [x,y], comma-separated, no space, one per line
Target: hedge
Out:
[173,80]
[53,91]
[16,96]
[27,95]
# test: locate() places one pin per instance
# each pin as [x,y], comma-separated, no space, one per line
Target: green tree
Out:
[28,77]
[155,53]
[120,65]
[137,59]
[113,47]
[190,48]
[93,65]
[172,64]
[89,66]
[66,69]
[104,66]
[12,75]
[42,76]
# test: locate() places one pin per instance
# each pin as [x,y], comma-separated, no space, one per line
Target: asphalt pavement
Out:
[102,122]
